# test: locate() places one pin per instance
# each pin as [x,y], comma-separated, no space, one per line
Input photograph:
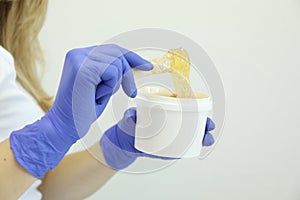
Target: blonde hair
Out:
[20,24]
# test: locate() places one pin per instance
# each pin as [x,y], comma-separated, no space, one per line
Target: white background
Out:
[255,46]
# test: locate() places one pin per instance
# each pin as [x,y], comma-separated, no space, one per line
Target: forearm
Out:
[14,179]
[78,176]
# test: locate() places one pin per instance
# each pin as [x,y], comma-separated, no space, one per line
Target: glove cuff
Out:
[39,147]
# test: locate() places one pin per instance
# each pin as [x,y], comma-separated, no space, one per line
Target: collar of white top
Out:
[6,55]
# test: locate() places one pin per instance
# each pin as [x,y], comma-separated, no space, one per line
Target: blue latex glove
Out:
[117,143]
[90,77]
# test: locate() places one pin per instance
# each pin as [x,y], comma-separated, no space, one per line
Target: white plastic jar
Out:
[169,126]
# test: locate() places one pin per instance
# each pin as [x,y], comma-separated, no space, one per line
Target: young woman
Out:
[36,133]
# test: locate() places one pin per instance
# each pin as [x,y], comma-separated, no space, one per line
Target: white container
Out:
[168,126]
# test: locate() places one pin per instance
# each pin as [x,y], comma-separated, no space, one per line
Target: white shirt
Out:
[17,108]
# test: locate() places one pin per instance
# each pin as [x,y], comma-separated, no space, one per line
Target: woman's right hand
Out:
[90,77]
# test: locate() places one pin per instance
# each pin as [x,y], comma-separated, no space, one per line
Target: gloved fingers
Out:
[103,63]
[133,59]
[128,83]
[125,73]
[208,139]
[119,65]
[110,80]
[128,122]
[105,89]
[111,50]
[102,93]
[136,61]
[101,104]
[154,156]
[130,114]
[111,61]
[210,125]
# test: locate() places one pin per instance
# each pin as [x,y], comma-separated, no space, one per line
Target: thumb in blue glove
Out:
[117,143]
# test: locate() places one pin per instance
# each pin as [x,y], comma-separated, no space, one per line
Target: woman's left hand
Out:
[117,143]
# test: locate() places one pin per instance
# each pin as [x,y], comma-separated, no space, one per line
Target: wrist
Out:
[38,147]
[56,129]
[96,152]
[59,138]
